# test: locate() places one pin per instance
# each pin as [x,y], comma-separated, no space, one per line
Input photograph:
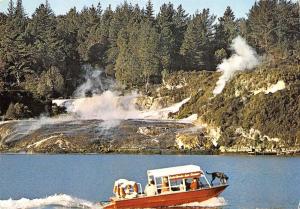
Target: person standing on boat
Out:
[150,189]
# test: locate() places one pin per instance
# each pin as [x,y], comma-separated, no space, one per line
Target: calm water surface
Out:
[255,182]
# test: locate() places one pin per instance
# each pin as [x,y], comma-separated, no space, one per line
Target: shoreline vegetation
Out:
[166,58]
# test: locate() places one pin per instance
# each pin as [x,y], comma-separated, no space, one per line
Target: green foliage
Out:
[226,31]
[147,53]
[197,44]
[276,35]
[167,36]
[51,83]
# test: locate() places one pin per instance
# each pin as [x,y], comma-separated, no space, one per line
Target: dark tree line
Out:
[43,54]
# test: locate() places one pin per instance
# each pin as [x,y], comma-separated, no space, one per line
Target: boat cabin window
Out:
[178,185]
[162,184]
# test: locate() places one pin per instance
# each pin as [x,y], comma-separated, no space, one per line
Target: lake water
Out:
[31,181]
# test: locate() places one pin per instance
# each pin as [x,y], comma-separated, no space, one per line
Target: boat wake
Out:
[67,201]
[55,201]
[212,202]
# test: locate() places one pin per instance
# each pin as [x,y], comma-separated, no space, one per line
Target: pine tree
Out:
[197,45]
[13,47]
[167,36]
[149,12]
[51,83]
[275,35]
[181,22]
[67,34]
[226,30]
[99,9]
[262,24]
[47,45]
[120,20]
[11,9]
[148,48]
[122,59]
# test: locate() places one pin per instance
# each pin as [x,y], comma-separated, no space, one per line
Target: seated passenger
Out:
[165,185]
[150,189]
[195,184]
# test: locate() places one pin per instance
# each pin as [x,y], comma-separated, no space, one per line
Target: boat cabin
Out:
[180,178]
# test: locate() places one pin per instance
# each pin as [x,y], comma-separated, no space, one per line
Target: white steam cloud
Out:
[106,106]
[243,58]
[95,83]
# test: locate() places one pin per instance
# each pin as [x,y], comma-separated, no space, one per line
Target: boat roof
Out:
[174,171]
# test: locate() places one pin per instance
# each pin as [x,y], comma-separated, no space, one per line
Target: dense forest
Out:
[42,56]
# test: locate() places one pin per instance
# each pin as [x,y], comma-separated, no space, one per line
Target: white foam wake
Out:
[62,200]
[212,202]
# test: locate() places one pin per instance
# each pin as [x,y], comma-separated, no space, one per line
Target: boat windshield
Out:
[180,178]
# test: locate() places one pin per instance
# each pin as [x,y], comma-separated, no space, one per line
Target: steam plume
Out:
[243,58]
[95,83]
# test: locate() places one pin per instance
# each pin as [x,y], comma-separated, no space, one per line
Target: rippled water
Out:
[79,181]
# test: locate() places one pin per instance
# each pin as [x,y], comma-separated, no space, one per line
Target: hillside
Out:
[257,109]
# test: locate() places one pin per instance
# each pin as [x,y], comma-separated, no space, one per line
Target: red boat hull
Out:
[170,199]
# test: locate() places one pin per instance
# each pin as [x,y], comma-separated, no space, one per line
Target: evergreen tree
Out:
[67,33]
[167,36]
[14,52]
[226,31]
[262,24]
[123,59]
[148,48]
[120,20]
[19,13]
[89,22]
[197,45]
[46,44]
[51,83]
[181,21]
[149,12]
[274,35]
[99,9]
[11,9]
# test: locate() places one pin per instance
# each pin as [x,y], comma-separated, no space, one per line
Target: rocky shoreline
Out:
[128,137]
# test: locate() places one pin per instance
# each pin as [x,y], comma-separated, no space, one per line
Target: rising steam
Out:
[95,82]
[244,58]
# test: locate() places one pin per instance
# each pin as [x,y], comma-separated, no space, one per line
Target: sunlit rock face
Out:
[188,141]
